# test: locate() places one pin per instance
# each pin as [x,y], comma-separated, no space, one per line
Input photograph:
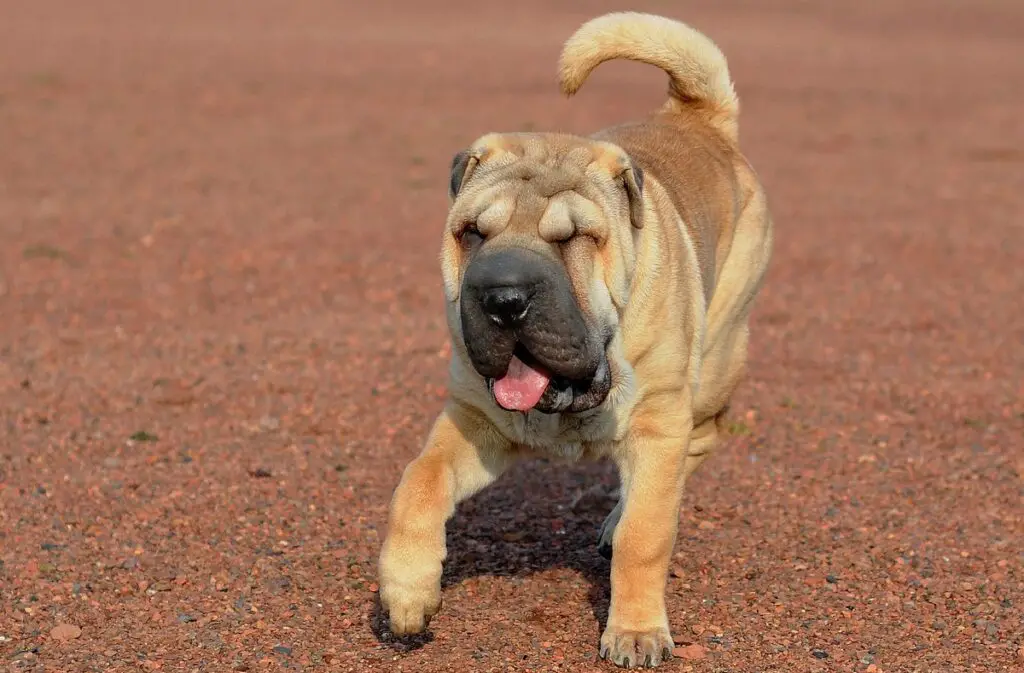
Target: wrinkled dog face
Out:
[537,257]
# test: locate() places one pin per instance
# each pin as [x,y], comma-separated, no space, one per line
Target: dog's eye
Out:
[471,237]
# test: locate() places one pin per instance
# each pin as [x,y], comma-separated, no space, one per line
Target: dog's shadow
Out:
[539,515]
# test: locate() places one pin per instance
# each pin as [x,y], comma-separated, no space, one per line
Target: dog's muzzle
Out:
[525,333]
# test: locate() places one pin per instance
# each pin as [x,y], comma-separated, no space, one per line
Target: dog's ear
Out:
[463,164]
[633,179]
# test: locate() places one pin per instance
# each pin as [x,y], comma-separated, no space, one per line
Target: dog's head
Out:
[537,259]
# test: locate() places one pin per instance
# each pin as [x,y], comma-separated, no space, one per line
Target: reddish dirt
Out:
[221,317]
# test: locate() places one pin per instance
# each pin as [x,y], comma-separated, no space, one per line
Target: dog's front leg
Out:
[463,454]
[653,466]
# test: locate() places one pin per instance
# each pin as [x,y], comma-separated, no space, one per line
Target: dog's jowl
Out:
[598,296]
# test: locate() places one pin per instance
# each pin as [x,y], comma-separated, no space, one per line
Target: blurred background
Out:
[222,338]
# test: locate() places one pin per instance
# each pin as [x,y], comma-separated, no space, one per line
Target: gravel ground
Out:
[221,339]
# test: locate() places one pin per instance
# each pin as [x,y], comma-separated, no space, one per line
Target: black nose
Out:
[502,285]
[506,306]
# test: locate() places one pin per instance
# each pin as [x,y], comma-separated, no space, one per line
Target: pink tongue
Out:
[521,387]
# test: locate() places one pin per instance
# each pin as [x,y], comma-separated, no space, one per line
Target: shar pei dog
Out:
[598,293]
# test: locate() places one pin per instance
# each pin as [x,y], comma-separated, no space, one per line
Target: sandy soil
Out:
[220,326]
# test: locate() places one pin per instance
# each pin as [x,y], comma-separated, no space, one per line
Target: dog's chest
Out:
[564,437]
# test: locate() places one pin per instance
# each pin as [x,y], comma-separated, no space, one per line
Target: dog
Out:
[598,295]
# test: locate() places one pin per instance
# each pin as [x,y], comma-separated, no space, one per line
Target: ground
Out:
[221,339]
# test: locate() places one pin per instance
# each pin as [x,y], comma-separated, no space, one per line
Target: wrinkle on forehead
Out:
[544,180]
[496,214]
[570,213]
[556,224]
[537,189]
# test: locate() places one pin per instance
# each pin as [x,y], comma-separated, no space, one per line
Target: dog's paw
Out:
[636,649]
[410,608]
[604,539]
[410,586]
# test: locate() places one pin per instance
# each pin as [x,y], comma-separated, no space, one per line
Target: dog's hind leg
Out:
[604,539]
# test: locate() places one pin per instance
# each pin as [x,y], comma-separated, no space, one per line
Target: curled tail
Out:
[697,70]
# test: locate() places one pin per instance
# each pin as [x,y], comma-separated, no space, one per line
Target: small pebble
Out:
[691,652]
[65,632]
[819,654]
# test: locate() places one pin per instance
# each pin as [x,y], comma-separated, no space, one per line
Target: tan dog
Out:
[598,297]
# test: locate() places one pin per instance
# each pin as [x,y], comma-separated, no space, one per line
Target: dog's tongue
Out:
[521,387]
